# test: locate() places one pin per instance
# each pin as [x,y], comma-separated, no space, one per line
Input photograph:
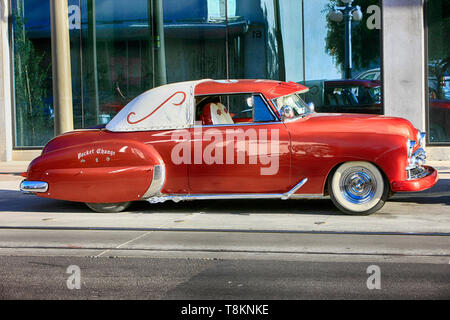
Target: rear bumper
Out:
[33,186]
[426,182]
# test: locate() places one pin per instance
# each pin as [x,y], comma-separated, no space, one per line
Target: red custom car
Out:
[234,139]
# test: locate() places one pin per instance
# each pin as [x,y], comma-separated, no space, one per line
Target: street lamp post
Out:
[347,13]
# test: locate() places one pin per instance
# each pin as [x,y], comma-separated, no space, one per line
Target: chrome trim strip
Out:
[237,124]
[28,187]
[309,196]
[415,162]
[421,173]
[179,198]
[421,137]
[159,178]
[288,194]
[420,152]
[283,196]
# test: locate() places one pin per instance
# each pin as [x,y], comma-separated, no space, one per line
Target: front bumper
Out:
[427,180]
[33,186]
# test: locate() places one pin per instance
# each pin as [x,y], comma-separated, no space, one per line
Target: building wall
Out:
[404,56]
[5,86]
[404,60]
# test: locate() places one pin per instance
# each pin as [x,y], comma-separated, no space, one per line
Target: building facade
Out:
[395,60]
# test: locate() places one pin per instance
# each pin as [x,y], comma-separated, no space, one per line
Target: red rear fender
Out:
[105,171]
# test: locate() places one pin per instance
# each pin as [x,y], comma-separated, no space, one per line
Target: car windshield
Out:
[294,101]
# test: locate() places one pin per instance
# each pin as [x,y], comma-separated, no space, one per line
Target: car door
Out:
[249,155]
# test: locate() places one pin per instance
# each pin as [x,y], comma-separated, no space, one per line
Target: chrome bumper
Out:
[33,186]
[415,168]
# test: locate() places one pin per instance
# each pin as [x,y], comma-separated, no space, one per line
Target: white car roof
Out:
[167,107]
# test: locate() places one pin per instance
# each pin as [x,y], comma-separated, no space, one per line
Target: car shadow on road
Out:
[15,201]
[418,199]
[440,193]
[241,207]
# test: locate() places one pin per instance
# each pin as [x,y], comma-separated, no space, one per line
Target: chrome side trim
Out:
[238,124]
[283,196]
[309,196]
[28,187]
[288,194]
[159,178]
[179,198]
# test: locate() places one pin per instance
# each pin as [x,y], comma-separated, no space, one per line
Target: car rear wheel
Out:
[108,207]
[358,188]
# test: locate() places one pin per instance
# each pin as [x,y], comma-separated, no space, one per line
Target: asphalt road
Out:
[162,278]
[221,265]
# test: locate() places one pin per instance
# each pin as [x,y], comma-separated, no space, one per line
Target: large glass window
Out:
[117,56]
[438,23]
[114,46]
[195,37]
[331,46]
[341,53]
[112,62]
[32,75]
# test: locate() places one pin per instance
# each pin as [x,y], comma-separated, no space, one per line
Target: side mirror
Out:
[286,112]
[311,106]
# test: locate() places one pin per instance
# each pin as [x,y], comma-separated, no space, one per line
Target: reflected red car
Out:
[364,96]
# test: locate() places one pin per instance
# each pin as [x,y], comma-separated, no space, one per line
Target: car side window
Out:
[261,110]
[232,109]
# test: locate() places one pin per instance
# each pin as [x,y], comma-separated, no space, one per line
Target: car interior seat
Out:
[332,100]
[215,113]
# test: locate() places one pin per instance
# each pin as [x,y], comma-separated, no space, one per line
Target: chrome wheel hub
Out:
[358,185]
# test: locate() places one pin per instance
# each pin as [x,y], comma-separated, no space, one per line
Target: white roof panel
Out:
[163,108]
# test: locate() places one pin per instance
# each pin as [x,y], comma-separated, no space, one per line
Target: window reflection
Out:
[438,20]
[32,81]
[113,54]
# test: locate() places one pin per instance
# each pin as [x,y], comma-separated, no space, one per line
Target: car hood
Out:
[356,123]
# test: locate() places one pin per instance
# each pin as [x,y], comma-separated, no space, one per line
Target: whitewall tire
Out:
[358,188]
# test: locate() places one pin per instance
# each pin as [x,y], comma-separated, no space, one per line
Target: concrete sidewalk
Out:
[13,167]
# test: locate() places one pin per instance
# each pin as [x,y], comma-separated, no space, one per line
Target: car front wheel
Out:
[108,207]
[358,188]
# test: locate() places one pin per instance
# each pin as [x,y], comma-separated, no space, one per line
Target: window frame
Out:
[427,91]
